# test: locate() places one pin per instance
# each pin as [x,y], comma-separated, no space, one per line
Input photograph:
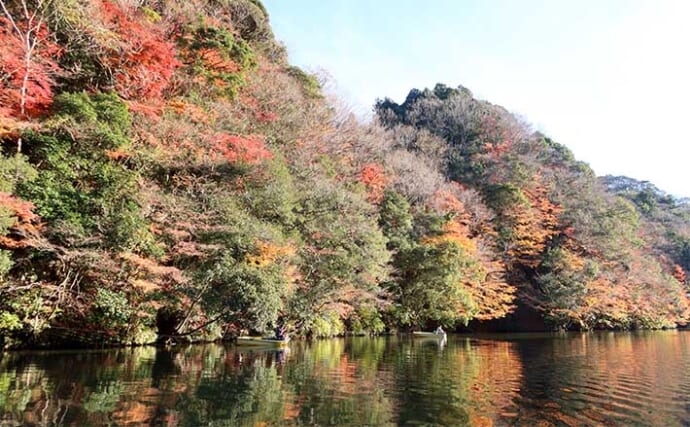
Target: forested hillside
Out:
[165,172]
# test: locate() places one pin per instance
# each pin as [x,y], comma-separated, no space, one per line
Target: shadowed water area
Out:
[596,379]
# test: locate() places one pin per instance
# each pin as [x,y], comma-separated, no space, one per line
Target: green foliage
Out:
[5,262]
[247,296]
[616,229]
[31,308]
[562,287]
[543,200]
[429,287]
[9,322]
[344,247]
[273,196]
[294,239]
[503,196]
[79,186]
[238,227]
[366,320]
[236,53]
[221,38]
[111,309]
[452,114]
[106,398]
[15,170]
[6,220]
[553,153]
[310,85]
[327,325]
[395,219]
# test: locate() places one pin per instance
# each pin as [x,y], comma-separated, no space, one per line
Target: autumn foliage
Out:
[533,225]
[139,53]
[22,222]
[180,178]
[237,149]
[374,179]
[28,64]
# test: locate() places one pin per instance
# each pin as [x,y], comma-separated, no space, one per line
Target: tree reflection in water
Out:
[571,379]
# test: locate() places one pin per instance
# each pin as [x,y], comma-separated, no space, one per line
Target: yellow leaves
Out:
[455,232]
[573,261]
[79,17]
[10,128]
[151,15]
[268,253]
[145,285]
[494,298]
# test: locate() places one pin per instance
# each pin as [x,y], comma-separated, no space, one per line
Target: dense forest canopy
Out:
[165,172]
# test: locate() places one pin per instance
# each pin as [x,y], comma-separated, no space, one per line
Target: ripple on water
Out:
[594,379]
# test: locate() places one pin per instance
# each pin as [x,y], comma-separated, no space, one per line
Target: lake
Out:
[570,379]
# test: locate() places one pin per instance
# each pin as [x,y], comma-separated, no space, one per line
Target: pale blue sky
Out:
[608,78]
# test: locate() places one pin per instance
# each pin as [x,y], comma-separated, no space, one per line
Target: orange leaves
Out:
[10,128]
[679,273]
[374,178]
[494,299]
[187,133]
[20,209]
[548,210]
[533,226]
[148,274]
[117,155]
[446,201]
[482,276]
[216,61]
[456,232]
[26,223]
[190,111]
[606,298]
[248,150]
[269,253]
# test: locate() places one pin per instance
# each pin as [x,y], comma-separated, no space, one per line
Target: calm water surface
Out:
[599,379]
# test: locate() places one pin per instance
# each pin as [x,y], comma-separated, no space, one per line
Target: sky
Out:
[610,79]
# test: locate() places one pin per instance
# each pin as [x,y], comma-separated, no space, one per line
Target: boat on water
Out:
[417,334]
[262,342]
[439,338]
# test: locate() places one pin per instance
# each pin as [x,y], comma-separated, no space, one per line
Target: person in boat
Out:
[280,333]
[439,330]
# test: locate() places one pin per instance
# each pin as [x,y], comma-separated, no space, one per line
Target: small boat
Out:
[262,342]
[417,334]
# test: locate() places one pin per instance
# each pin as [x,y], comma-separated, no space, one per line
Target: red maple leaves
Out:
[248,150]
[27,65]
[142,60]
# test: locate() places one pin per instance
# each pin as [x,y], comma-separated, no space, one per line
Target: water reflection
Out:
[607,379]
[547,380]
